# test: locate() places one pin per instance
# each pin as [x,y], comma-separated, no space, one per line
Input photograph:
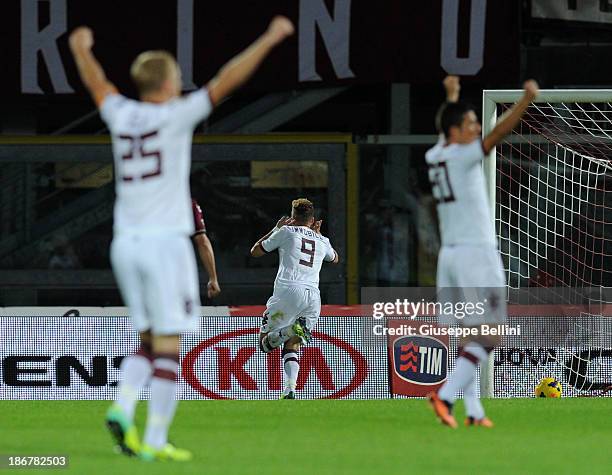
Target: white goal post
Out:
[557,230]
[492,98]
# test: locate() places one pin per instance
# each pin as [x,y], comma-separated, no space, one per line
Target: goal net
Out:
[550,185]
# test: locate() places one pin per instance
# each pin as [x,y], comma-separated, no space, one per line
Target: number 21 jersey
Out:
[152,156]
[458,185]
[301,253]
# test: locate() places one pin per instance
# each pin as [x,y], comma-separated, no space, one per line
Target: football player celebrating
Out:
[294,308]
[469,258]
[151,255]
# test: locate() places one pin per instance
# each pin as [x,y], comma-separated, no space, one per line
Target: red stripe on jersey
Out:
[198,217]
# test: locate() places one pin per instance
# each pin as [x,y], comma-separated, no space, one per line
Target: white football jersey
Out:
[152,154]
[458,184]
[301,253]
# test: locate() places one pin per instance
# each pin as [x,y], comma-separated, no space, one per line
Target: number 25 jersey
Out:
[458,185]
[152,156]
[301,253]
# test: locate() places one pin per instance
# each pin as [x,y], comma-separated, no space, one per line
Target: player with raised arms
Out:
[151,254]
[468,259]
[295,305]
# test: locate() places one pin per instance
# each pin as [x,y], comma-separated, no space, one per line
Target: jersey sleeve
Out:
[193,107]
[275,240]
[473,152]
[110,106]
[330,252]
[198,218]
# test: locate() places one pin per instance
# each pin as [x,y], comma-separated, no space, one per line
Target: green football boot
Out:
[168,453]
[124,432]
[301,330]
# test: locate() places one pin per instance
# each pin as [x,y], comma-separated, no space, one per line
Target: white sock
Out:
[162,404]
[136,371]
[291,368]
[464,371]
[473,406]
[458,379]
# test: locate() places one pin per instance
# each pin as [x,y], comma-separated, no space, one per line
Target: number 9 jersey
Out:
[458,185]
[152,156]
[301,253]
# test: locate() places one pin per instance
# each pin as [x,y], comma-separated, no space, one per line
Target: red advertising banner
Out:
[418,362]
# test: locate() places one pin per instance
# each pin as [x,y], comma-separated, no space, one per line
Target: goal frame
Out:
[490,99]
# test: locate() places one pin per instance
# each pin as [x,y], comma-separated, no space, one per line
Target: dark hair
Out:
[451,114]
[302,209]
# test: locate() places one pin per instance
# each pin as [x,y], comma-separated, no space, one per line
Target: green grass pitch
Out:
[327,437]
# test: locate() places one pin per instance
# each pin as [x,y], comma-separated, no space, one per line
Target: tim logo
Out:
[420,359]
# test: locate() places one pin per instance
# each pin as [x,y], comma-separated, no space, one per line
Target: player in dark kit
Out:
[205,250]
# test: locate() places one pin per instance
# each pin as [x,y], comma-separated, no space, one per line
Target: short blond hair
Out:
[302,209]
[151,68]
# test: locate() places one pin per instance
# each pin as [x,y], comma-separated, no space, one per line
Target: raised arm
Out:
[316,227]
[511,118]
[91,73]
[452,88]
[239,69]
[257,250]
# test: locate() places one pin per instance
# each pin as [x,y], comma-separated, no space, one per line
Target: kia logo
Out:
[232,363]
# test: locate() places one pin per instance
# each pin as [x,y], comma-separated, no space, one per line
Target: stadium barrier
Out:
[75,353]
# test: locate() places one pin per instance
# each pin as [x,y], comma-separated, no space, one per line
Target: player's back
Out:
[301,255]
[458,184]
[152,156]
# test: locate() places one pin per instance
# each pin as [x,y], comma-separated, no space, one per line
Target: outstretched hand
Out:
[531,89]
[280,28]
[316,226]
[452,87]
[81,39]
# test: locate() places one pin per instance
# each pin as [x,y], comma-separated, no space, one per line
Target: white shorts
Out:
[472,274]
[287,304]
[158,279]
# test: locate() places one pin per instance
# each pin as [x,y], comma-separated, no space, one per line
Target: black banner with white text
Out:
[336,41]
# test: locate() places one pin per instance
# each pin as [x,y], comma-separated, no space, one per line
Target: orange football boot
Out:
[484,422]
[442,410]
